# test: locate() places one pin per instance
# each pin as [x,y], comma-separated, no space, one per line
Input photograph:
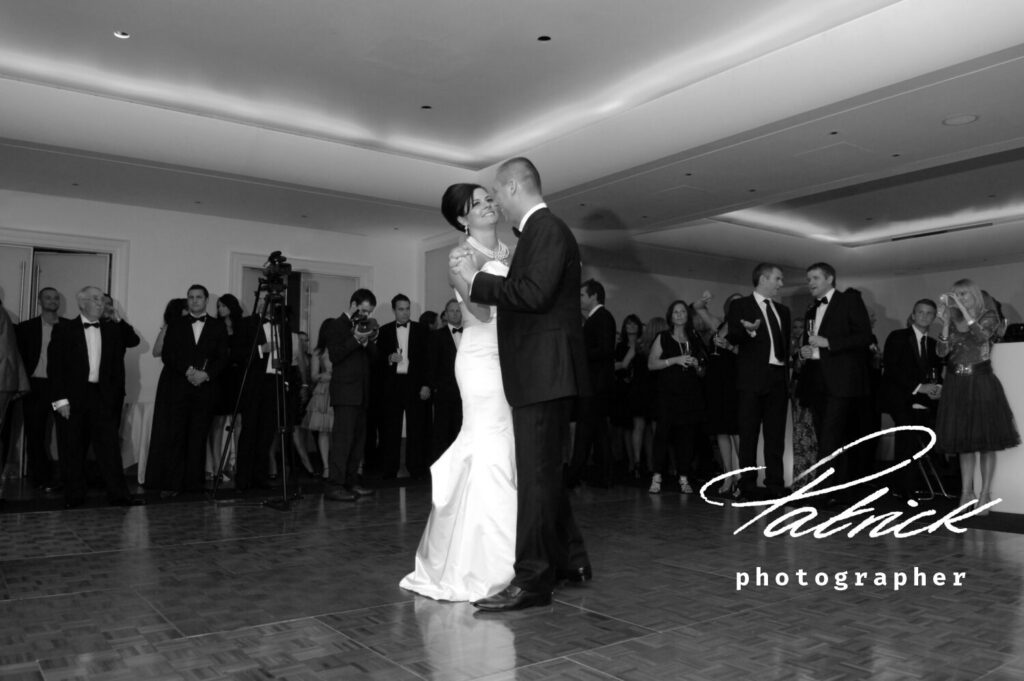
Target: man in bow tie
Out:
[196,350]
[404,392]
[836,373]
[85,364]
[443,345]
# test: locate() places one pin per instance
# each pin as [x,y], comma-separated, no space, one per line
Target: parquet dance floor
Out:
[199,591]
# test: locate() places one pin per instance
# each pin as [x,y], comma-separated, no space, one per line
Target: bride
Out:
[468,547]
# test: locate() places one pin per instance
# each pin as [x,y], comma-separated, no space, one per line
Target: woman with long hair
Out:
[319,414]
[678,359]
[974,419]
[628,414]
[229,310]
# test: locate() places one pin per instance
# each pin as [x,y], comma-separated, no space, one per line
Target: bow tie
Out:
[91,324]
[199,320]
[821,301]
[456,329]
[518,232]
[402,326]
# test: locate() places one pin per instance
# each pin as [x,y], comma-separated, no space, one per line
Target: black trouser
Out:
[192,413]
[834,424]
[547,538]
[763,411]
[37,411]
[259,425]
[592,433]
[92,421]
[908,479]
[403,401]
[348,444]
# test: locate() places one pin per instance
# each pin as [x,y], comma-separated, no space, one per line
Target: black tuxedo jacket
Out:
[843,364]
[351,362]
[599,340]
[67,364]
[540,339]
[181,351]
[441,366]
[752,369]
[30,338]
[387,343]
[904,369]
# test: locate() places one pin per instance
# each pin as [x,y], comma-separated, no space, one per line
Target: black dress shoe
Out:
[512,598]
[576,575]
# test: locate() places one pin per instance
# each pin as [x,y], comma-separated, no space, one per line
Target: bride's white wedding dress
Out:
[468,547]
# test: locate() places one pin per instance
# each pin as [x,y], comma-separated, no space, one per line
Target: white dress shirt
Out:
[402,334]
[761,301]
[819,314]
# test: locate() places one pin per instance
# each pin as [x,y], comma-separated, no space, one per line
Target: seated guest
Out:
[911,387]
[85,361]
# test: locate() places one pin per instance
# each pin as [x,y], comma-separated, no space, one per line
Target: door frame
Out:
[117,248]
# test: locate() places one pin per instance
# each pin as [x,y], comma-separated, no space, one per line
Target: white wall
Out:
[170,250]
[891,298]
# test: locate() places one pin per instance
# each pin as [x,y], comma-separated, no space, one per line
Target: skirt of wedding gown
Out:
[468,547]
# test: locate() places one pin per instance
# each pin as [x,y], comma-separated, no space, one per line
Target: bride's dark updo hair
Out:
[456,203]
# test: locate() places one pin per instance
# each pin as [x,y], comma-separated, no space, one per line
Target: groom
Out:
[543,368]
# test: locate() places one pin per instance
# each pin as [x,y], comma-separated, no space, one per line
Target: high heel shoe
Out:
[968,498]
[982,500]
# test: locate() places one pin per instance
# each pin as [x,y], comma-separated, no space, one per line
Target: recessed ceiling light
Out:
[123,35]
[74,184]
[834,132]
[751,190]
[543,38]
[426,106]
[895,155]
[961,119]
[198,203]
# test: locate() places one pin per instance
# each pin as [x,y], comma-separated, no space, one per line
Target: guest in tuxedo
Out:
[33,340]
[543,369]
[835,375]
[593,410]
[911,388]
[352,351]
[85,362]
[403,355]
[444,390]
[757,327]
[195,353]
[128,336]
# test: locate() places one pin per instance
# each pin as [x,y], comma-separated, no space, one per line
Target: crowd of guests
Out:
[695,393]
[675,400]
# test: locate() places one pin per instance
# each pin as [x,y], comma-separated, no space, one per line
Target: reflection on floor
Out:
[198,590]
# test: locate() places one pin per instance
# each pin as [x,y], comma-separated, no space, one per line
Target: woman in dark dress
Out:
[678,360]
[160,428]
[628,413]
[229,310]
[974,418]
[720,389]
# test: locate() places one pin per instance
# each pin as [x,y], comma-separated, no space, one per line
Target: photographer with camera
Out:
[352,349]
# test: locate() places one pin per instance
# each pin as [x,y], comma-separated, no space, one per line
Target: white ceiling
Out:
[689,137]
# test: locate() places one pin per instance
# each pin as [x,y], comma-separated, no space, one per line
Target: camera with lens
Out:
[275,273]
[363,323]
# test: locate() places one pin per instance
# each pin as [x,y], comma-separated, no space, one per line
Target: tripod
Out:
[266,331]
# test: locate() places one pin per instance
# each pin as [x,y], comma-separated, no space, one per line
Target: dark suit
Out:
[35,405]
[129,339]
[833,384]
[593,410]
[761,390]
[400,395]
[543,367]
[444,390]
[95,407]
[350,397]
[191,408]
[904,369]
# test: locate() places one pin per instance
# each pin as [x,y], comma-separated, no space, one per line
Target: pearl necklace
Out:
[500,253]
